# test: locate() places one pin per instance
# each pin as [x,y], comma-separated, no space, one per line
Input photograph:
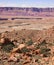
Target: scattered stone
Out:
[17,55]
[26,62]
[19,47]
[33,57]
[2,41]
[4,58]
[12,59]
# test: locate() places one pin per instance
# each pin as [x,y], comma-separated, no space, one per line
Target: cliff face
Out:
[26,11]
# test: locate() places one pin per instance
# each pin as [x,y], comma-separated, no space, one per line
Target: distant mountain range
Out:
[18,11]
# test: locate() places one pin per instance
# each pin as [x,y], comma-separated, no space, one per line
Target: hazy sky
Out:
[27,3]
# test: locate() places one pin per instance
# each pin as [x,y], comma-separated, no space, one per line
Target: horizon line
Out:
[25,7]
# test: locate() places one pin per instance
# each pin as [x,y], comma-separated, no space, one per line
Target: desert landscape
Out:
[26,36]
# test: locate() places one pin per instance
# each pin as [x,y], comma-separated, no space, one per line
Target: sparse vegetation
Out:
[43,44]
[24,50]
[45,52]
[30,42]
[23,40]
[7,47]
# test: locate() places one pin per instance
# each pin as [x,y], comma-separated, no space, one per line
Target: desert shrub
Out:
[43,48]
[30,42]
[19,63]
[37,57]
[45,52]
[43,44]
[24,50]
[50,44]
[7,47]
[23,40]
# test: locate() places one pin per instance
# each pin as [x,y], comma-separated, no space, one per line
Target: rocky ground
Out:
[27,47]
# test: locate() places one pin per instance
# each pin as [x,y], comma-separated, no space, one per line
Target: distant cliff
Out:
[18,11]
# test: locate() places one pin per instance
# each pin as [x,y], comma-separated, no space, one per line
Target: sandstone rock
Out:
[46,59]
[26,62]
[30,47]
[21,46]
[4,58]
[2,40]
[17,55]
[35,43]
[12,59]
[14,50]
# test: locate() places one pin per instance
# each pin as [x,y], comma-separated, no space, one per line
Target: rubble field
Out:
[27,47]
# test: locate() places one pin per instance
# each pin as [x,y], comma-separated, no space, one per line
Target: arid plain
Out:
[33,23]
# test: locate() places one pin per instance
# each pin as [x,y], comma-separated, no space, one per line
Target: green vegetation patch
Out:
[7,47]
[30,42]
[24,50]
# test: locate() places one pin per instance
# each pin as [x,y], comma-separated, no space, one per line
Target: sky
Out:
[26,3]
